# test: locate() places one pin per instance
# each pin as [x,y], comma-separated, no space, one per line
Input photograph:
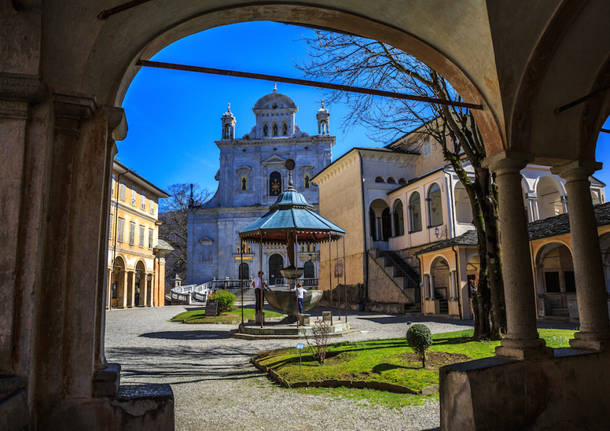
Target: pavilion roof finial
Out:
[275,87]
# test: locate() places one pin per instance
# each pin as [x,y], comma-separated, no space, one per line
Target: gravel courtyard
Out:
[216,388]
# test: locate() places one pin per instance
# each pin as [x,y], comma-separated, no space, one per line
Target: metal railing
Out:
[199,292]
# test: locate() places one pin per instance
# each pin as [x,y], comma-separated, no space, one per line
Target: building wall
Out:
[340,192]
[133,202]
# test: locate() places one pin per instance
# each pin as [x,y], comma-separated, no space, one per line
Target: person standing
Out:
[300,292]
[258,284]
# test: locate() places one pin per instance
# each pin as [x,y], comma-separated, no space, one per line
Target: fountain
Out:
[291,220]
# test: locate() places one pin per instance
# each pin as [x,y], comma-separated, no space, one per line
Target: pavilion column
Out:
[588,267]
[522,340]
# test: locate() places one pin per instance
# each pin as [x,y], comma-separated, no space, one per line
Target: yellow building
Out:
[136,263]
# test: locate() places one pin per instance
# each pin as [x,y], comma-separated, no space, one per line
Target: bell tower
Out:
[323,116]
[228,124]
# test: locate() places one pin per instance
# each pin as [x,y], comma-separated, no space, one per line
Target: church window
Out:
[150,238]
[275,183]
[284,128]
[306,181]
[274,106]
[141,237]
[402,181]
[379,180]
[309,270]
[399,227]
[244,183]
[134,195]
[414,213]
[275,129]
[391,180]
[435,208]
[265,129]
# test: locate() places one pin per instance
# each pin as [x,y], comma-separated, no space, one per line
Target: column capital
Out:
[73,107]
[21,87]
[577,170]
[117,122]
[507,162]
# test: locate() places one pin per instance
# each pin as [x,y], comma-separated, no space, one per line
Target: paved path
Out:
[216,388]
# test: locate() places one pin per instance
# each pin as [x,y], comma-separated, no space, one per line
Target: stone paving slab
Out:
[216,388]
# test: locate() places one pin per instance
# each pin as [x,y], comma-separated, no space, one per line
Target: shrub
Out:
[320,329]
[225,300]
[419,338]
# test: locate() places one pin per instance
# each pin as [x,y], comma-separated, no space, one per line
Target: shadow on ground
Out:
[187,335]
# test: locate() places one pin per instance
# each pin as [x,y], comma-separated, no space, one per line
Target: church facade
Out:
[252,174]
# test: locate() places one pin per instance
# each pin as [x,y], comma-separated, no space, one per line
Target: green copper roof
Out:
[291,213]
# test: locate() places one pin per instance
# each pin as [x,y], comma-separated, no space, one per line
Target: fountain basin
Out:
[285,300]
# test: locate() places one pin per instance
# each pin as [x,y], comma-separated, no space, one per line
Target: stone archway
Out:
[551,200]
[555,283]
[276,263]
[118,295]
[140,286]
[380,221]
[440,277]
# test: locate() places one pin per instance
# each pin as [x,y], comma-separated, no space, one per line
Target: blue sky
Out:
[174,117]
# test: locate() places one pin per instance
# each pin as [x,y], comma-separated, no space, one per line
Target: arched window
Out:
[265,129]
[275,129]
[391,180]
[276,263]
[435,207]
[244,271]
[402,181]
[379,180]
[414,213]
[244,183]
[309,270]
[372,224]
[386,224]
[275,183]
[399,225]
[463,209]
[306,181]
[284,128]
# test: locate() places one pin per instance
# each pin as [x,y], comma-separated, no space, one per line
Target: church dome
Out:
[275,100]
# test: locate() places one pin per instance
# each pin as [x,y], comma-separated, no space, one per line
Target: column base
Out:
[523,349]
[590,341]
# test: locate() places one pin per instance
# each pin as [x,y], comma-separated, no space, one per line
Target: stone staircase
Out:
[402,274]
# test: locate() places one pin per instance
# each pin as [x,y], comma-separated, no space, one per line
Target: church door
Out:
[309,270]
[276,263]
[244,271]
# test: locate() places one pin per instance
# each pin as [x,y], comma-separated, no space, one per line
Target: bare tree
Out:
[357,61]
[174,215]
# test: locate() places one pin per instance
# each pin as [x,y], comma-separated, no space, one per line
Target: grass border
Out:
[335,383]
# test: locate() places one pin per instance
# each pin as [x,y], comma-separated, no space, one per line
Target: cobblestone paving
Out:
[216,388]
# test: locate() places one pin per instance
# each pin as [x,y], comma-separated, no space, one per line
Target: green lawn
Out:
[233,316]
[390,360]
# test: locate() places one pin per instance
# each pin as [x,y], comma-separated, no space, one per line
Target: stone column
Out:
[122,289]
[143,289]
[522,340]
[453,280]
[131,289]
[588,268]
[161,283]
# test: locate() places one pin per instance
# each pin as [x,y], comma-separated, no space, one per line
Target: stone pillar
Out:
[588,268]
[143,289]
[122,289]
[161,283]
[453,280]
[522,340]
[131,289]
